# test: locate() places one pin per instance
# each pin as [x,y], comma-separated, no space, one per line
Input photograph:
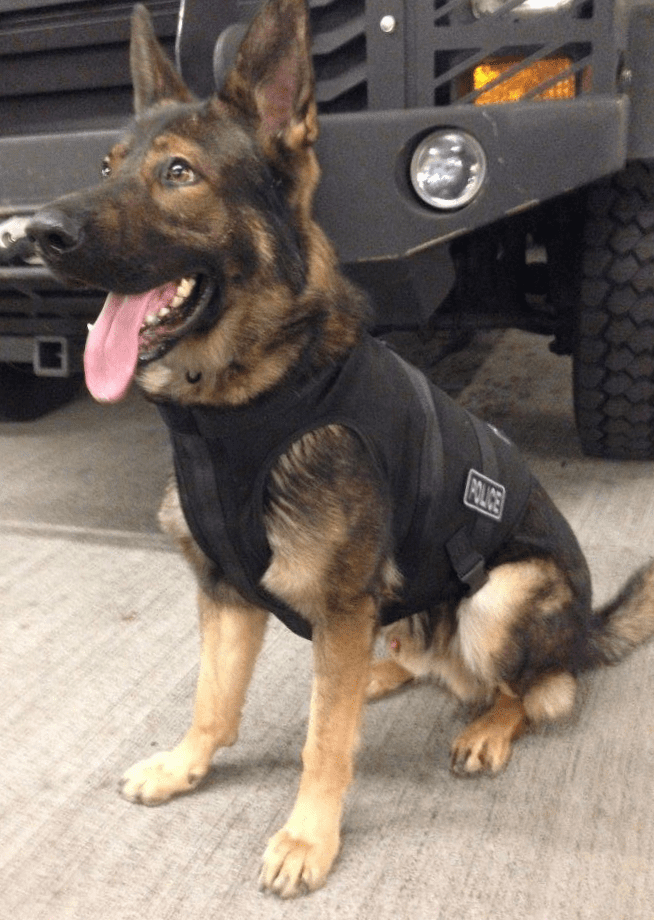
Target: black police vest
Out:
[456,486]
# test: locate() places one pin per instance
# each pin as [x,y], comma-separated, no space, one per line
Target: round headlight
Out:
[448,169]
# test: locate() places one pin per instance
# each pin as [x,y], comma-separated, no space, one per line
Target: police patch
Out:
[484,495]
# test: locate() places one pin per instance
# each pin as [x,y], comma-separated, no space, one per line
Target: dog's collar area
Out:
[276,408]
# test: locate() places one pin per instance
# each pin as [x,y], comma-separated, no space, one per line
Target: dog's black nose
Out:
[55,232]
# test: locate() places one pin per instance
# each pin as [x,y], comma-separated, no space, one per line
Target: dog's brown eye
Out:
[105,171]
[178,172]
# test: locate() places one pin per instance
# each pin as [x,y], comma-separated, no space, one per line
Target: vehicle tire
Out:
[613,341]
[25,397]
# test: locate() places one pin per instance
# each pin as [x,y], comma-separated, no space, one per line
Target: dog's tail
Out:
[624,623]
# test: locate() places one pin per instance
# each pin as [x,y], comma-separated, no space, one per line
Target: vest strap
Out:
[467,562]
[467,548]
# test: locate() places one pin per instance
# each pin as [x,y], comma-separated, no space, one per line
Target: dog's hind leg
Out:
[485,745]
[300,855]
[386,676]
[232,634]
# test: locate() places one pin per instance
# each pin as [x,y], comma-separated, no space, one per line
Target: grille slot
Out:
[340,54]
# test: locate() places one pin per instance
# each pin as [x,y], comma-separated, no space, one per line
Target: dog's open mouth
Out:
[134,329]
[161,326]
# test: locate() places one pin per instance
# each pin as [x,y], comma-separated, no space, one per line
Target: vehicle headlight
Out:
[448,168]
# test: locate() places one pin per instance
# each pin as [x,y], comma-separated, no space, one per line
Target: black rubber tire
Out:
[613,344]
[25,397]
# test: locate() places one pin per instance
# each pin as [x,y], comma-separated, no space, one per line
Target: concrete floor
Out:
[98,658]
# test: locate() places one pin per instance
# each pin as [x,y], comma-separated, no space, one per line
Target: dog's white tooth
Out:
[89,326]
[177,301]
[150,319]
[165,310]
[185,287]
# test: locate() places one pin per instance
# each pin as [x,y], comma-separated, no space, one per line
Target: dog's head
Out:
[201,227]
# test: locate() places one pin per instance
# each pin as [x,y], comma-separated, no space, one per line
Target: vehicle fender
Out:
[638,74]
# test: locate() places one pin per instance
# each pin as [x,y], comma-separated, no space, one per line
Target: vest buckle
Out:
[467,562]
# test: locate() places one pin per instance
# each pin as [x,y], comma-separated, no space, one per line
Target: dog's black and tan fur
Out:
[222,189]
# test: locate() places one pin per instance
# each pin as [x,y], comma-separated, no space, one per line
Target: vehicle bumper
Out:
[535,151]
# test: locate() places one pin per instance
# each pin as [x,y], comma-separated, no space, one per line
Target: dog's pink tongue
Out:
[112,346]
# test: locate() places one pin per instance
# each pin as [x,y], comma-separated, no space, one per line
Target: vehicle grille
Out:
[66,65]
[453,51]
[442,53]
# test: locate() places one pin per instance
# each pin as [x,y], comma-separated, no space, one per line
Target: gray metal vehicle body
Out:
[555,232]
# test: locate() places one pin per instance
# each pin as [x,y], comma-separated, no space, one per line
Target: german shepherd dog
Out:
[225,295]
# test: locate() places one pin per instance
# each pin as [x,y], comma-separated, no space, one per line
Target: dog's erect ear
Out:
[272,79]
[154,77]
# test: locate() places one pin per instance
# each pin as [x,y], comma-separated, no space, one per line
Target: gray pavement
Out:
[98,658]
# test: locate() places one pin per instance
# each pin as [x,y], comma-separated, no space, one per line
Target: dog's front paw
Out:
[292,867]
[159,778]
